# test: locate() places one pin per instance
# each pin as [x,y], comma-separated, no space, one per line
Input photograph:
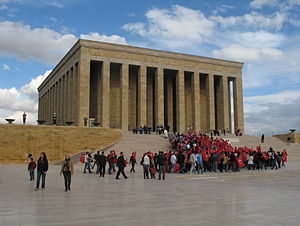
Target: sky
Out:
[264,34]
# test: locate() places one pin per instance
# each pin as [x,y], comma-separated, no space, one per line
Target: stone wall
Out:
[295,137]
[17,141]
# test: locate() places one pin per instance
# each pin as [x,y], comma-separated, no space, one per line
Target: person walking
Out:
[31,168]
[42,168]
[87,162]
[102,163]
[67,170]
[121,165]
[132,161]
[262,138]
[146,165]
[161,160]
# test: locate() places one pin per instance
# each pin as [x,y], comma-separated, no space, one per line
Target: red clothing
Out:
[32,165]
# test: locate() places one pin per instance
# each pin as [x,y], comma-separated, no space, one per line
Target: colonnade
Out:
[61,98]
[121,94]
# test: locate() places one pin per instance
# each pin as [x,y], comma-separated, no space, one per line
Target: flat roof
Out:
[139,50]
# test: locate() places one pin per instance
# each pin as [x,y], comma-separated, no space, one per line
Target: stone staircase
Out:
[140,143]
[277,144]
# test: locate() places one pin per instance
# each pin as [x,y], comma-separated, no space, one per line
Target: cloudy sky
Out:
[265,34]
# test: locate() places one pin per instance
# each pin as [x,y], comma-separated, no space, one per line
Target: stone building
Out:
[123,87]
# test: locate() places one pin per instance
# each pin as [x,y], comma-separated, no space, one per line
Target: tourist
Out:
[192,162]
[31,168]
[96,161]
[54,119]
[146,165]
[250,164]
[102,163]
[85,120]
[87,162]
[132,161]
[121,163]
[199,163]
[180,161]
[173,161]
[112,160]
[152,171]
[284,157]
[161,160]
[24,118]
[278,159]
[42,168]
[214,162]
[67,170]
[262,138]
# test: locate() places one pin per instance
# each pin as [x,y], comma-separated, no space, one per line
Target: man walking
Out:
[121,166]
[102,163]
[161,160]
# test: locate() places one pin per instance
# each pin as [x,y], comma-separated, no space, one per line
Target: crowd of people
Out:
[198,152]
[191,153]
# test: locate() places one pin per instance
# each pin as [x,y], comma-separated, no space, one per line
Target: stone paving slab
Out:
[245,198]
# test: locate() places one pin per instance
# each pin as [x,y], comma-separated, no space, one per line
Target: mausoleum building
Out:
[120,86]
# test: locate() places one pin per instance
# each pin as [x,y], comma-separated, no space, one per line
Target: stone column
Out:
[196,101]
[71,97]
[229,106]
[75,95]
[105,86]
[159,96]
[58,102]
[211,102]
[142,95]
[238,104]
[180,98]
[124,96]
[84,89]
[67,103]
[224,102]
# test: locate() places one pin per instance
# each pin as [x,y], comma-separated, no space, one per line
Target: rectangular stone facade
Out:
[125,87]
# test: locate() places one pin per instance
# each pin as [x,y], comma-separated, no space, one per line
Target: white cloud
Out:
[176,27]
[257,4]
[244,54]
[104,38]
[5,67]
[254,19]
[41,44]
[2,7]
[14,102]
[272,114]
[26,43]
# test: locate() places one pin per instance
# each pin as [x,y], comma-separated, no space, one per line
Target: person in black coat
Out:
[161,160]
[102,163]
[42,168]
[121,165]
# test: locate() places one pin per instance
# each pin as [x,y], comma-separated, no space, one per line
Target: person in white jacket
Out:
[173,161]
[146,165]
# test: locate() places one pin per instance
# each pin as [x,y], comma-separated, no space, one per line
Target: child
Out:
[152,171]
[31,168]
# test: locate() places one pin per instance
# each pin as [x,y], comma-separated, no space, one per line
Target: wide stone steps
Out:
[140,143]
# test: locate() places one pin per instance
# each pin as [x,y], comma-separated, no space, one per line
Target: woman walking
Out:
[42,168]
[67,171]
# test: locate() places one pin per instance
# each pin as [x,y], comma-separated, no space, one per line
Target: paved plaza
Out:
[247,198]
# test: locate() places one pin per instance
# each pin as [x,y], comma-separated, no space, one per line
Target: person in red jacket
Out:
[31,168]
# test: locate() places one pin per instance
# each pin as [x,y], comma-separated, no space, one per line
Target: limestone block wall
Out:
[17,141]
[295,137]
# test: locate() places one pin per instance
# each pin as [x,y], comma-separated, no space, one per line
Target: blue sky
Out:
[264,34]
